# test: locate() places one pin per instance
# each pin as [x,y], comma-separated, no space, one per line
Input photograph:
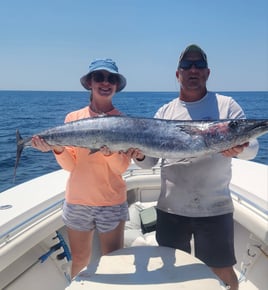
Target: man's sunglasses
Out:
[99,77]
[187,64]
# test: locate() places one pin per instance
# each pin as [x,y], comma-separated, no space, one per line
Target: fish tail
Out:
[20,147]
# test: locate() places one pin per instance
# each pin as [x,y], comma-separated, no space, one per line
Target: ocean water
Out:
[34,111]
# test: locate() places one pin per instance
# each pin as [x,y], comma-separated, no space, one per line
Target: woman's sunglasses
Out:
[187,64]
[99,77]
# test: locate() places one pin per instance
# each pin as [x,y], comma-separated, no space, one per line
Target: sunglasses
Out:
[187,64]
[99,77]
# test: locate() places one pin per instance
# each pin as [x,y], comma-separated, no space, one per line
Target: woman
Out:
[95,192]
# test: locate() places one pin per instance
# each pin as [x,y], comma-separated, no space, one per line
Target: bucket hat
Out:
[107,65]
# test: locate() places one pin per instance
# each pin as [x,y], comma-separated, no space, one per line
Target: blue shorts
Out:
[213,236]
[86,218]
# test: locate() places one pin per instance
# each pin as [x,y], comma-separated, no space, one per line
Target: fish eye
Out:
[233,124]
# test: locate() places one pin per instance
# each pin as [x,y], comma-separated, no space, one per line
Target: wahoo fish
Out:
[160,138]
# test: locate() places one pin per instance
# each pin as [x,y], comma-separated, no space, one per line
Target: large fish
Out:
[154,137]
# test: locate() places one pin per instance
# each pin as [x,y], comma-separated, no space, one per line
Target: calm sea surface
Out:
[33,111]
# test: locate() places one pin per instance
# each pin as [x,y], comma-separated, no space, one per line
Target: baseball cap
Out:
[193,48]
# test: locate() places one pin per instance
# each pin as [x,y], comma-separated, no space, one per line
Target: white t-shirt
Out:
[200,187]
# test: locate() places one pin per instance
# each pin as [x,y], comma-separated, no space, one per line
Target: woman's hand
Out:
[41,145]
[105,150]
[135,153]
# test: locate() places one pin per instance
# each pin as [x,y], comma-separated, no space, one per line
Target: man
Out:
[195,197]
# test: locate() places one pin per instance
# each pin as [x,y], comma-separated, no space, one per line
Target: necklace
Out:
[100,112]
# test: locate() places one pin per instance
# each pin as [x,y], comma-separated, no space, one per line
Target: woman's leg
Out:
[81,247]
[112,240]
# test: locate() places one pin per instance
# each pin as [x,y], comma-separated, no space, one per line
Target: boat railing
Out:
[135,170]
[252,202]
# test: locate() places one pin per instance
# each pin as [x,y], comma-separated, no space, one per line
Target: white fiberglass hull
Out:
[34,247]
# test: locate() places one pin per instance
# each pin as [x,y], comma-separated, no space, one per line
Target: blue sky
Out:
[48,45]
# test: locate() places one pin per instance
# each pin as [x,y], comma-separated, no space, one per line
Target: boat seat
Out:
[146,267]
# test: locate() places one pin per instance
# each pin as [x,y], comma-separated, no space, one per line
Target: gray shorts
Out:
[86,218]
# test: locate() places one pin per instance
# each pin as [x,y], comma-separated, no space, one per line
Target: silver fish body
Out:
[160,138]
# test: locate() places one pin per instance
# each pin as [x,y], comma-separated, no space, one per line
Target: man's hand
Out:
[234,151]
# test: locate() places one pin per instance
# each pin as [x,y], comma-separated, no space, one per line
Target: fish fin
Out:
[170,162]
[93,150]
[20,147]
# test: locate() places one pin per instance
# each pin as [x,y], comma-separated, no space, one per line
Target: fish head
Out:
[246,129]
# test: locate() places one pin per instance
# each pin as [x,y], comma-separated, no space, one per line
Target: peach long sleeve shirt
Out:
[95,179]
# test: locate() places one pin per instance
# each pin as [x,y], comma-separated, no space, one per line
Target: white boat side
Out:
[31,225]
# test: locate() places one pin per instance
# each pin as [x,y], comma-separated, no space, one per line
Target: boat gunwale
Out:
[17,230]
